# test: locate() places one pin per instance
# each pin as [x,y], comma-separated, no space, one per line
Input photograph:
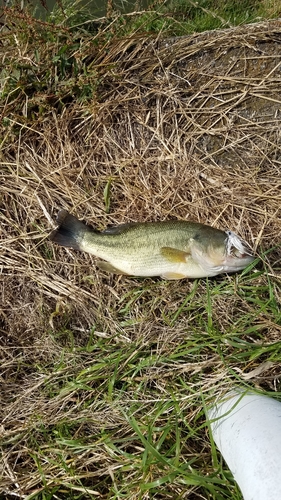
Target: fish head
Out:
[221,251]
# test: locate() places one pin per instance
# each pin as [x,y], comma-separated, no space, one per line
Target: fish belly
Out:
[159,267]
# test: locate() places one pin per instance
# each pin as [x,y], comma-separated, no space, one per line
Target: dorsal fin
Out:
[119,229]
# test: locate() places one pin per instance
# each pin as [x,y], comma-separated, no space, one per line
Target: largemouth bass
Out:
[171,249]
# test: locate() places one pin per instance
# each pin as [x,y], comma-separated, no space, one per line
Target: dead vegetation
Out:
[187,128]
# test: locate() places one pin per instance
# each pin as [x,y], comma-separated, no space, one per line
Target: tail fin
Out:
[70,231]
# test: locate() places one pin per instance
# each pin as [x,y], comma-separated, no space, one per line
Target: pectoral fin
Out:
[106,266]
[174,255]
[172,276]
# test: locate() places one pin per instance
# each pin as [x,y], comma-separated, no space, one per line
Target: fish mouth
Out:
[238,253]
[236,246]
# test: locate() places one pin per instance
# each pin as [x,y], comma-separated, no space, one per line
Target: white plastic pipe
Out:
[248,434]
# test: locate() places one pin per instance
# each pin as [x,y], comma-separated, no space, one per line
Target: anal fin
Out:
[106,266]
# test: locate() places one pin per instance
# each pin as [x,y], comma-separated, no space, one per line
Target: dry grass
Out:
[104,377]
